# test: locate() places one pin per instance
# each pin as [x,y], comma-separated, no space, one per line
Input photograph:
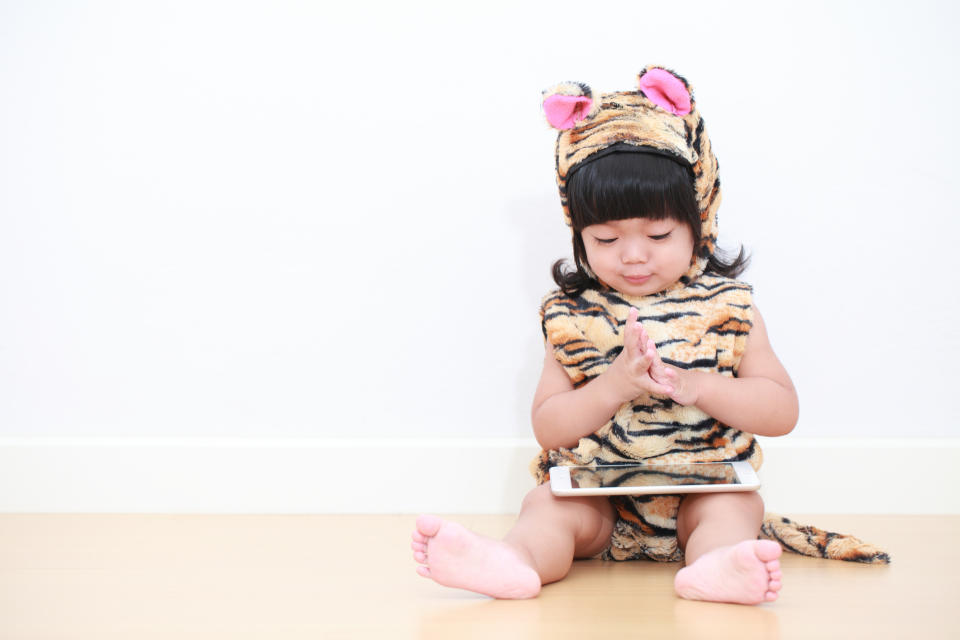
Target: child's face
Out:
[638,256]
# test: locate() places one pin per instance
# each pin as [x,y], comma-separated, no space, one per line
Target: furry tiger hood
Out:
[703,322]
[660,117]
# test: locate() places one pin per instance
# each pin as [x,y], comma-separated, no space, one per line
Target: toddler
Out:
[654,353]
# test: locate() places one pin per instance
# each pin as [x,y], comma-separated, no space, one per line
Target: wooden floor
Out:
[280,577]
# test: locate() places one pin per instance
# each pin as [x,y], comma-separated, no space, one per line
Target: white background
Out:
[300,219]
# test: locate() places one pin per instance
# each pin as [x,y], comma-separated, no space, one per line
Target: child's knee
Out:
[542,497]
[537,497]
[747,503]
[756,501]
[588,518]
[750,502]
[696,507]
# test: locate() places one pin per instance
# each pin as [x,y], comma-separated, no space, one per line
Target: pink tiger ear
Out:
[567,103]
[564,112]
[666,90]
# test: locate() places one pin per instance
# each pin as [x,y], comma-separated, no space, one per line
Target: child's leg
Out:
[550,532]
[725,561]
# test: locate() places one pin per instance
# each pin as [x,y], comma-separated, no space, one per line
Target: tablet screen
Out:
[653,475]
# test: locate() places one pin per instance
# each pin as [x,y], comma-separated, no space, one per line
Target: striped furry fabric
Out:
[639,119]
[700,322]
[703,326]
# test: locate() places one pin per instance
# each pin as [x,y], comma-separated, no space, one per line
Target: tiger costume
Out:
[700,322]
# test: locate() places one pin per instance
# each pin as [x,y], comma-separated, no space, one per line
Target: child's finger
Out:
[642,361]
[659,369]
[644,338]
[662,389]
[656,364]
[632,322]
[662,383]
[641,341]
[630,333]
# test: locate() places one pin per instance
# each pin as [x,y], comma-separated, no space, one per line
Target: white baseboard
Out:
[412,475]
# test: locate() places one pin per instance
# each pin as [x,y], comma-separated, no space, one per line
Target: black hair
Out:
[623,185]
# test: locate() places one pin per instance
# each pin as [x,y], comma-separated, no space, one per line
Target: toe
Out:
[767,550]
[423,571]
[774,586]
[771,596]
[773,565]
[420,557]
[418,537]
[429,525]
[776,575]
[417,546]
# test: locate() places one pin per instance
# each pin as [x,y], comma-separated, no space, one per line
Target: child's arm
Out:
[562,415]
[760,400]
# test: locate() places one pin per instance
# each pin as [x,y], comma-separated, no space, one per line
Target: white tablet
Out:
[636,479]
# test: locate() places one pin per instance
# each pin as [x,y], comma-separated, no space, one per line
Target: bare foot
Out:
[456,557]
[746,573]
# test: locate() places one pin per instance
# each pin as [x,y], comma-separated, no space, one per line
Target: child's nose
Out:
[634,252]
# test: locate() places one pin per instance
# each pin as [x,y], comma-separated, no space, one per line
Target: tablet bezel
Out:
[746,476]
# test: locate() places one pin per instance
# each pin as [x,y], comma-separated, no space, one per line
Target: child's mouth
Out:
[636,279]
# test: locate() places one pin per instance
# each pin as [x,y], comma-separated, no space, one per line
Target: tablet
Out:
[639,479]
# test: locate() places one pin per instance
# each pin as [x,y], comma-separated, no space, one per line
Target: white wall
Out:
[301,219]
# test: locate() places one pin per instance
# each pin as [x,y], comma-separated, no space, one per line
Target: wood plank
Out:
[250,576]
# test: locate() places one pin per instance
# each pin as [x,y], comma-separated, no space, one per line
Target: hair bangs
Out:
[631,185]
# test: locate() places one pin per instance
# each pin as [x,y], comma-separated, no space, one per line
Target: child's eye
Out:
[604,240]
[662,236]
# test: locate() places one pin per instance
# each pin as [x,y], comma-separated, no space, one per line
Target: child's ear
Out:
[665,89]
[567,104]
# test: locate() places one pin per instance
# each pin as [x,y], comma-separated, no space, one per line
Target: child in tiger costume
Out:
[655,353]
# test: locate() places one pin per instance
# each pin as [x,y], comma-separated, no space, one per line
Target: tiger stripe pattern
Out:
[700,322]
[631,117]
[703,326]
[705,329]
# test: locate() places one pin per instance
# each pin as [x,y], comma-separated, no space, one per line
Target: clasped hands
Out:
[638,369]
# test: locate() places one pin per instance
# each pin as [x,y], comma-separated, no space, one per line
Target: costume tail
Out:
[811,541]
